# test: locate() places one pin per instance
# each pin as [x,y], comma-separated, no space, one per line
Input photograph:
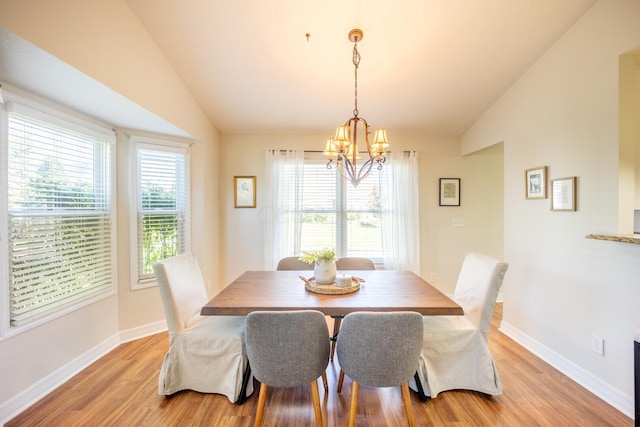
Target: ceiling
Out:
[29,68]
[428,66]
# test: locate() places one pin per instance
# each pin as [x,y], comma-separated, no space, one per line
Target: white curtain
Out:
[400,222]
[283,176]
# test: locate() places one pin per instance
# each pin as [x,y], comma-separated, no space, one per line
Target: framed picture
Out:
[535,183]
[244,191]
[563,194]
[449,191]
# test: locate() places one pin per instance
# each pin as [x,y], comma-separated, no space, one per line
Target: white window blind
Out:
[338,215]
[162,206]
[60,245]
[319,208]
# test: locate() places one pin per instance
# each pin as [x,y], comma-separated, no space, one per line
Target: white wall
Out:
[561,288]
[442,246]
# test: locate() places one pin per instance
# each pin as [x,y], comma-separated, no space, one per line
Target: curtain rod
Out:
[319,151]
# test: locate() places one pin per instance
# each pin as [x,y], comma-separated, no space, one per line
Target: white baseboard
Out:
[142,331]
[37,391]
[614,397]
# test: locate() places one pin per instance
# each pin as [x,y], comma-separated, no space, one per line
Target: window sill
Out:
[624,238]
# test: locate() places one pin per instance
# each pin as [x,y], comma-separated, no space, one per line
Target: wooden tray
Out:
[332,289]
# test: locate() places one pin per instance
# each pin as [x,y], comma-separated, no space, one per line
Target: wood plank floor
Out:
[121,390]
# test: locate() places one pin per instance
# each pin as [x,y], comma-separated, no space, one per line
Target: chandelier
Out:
[344,145]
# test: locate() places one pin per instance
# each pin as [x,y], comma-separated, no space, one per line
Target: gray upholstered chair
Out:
[293,263]
[287,349]
[354,263]
[347,264]
[206,353]
[379,350]
[455,352]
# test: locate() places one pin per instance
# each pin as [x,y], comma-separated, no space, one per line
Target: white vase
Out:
[324,272]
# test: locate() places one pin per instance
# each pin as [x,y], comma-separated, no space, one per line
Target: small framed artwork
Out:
[535,182]
[563,194]
[449,191]
[244,191]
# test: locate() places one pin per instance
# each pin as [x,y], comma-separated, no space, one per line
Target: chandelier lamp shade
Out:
[344,148]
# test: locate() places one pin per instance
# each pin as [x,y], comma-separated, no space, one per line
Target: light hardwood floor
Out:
[121,390]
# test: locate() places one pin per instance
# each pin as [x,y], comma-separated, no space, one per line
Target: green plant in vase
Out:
[323,254]
[324,270]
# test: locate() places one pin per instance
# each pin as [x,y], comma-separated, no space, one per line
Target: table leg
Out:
[337,321]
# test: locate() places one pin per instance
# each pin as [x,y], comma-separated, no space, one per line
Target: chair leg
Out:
[315,396]
[421,395]
[324,382]
[340,381]
[245,383]
[406,398]
[262,399]
[337,321]
[355,390]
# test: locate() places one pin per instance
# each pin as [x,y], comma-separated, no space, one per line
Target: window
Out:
[161,211]
[335,214]
[60,219]
[309,207]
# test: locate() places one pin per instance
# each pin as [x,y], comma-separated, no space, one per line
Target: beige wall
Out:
[442,246]
[630,120]
[104,40]
[561,288]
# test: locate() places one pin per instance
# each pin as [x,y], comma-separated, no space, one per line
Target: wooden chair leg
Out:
[355,390]
[337,321]
[324,382]
[315,396]
[262,399]
[406,399]
[340,381]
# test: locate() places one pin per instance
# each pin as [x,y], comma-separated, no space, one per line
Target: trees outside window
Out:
[161,215]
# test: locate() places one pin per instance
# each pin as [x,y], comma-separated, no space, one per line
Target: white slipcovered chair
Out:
[455,352]
[206,353]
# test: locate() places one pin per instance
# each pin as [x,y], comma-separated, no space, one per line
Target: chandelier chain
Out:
[356,62]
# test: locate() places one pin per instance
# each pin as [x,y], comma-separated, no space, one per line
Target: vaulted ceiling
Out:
[429,66]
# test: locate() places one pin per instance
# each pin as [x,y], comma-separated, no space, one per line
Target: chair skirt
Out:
[208,356]
[455,356]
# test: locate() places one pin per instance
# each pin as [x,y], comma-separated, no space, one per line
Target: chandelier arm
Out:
[365,169]
[329,164]
[349,167]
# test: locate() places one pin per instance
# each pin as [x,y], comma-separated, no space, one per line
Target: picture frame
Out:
[535,183]
[449,192]
[244,191]
[563,194]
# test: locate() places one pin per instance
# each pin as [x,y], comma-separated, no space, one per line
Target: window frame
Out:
[55,115]
[154,144]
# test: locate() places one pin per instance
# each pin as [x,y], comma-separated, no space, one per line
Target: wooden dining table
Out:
[380,290]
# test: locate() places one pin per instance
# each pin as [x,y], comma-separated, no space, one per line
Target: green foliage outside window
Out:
[160,226]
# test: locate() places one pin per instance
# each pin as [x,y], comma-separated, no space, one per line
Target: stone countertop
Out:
[624,238]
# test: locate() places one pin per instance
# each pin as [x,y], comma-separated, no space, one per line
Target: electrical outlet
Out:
[457,222]
[433,277]
[597,344]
